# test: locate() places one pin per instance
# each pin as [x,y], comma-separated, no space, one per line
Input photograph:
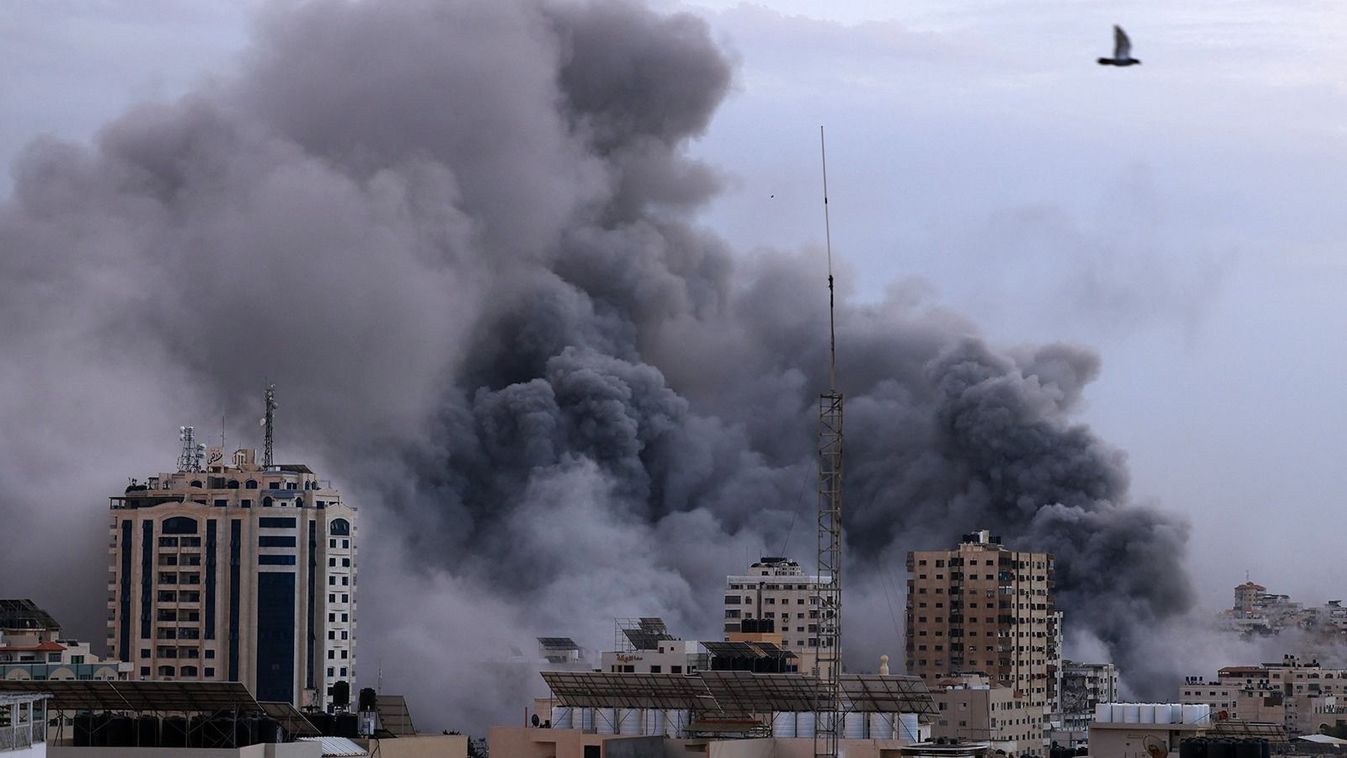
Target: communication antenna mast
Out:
[828,713]
[189,457]
[269,422]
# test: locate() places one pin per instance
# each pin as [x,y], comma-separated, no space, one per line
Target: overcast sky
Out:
[1181,218]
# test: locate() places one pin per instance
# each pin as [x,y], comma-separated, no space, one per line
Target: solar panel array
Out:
[557,643]
[736,692]
[394,715]
[174,697]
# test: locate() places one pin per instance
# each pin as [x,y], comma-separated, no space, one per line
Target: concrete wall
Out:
[426,746]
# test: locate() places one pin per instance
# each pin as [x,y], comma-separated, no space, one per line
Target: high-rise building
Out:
[984,609]
[774,597]
[233,570]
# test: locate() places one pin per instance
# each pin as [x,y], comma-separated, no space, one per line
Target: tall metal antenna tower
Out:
[828,713]
[189,456]
[269,421]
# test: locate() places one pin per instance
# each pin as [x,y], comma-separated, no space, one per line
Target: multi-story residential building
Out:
[235,571]
[1082,687]
[774,590]
[1302,695]
[31,647]
[972,708]
[981,608]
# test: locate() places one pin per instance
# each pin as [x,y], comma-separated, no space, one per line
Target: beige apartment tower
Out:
[775,598]
[233,570]
[983,609]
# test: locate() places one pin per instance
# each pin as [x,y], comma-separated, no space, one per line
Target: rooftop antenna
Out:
[828,712]
[189,455]
[269,422]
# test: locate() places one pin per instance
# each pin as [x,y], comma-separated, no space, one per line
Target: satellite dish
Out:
[535,720]
[1156,747]
[262,422]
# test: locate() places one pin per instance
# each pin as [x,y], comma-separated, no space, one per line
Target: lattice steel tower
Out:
[828,713]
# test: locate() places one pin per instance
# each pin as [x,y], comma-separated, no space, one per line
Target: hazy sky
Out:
[1180,218]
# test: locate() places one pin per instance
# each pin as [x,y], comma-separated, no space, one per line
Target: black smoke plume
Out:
[458,237]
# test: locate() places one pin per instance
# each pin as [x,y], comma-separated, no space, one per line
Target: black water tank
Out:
[348,725]
[121,731]
[1248,749]
[84,723]
[1265,748]
[196,731]
[98,733]
[1193,747]
[321,721]
[1220,749]
[268,730]
[245,731]
[218,732]
[147,731]
[173,732]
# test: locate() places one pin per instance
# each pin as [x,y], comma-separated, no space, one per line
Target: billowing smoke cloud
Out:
[458,236]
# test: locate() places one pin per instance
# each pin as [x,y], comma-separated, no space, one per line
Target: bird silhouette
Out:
[1122,50]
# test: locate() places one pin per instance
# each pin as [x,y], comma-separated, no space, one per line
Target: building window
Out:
[250,485]
[339,527]
[276,522]
[210,671]
[179,525]
[165,671]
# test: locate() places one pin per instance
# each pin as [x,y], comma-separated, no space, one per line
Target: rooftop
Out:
[24,614]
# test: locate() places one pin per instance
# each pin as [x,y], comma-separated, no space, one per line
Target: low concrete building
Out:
[972,708]
[1145,730]
[32,647]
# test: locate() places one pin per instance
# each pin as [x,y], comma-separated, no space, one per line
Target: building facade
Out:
[970,708]
[1304,696]
[1082,687]
[981,608]
[235,571]
[32,647]
[774,590]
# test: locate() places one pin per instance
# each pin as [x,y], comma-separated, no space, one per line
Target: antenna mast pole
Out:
[269,421]
[828,713]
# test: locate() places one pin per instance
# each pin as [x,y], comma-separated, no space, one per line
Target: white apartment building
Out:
[235,571]
[667,657]
[774,590]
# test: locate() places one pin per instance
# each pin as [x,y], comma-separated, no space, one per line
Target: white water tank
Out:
[1146,713]
[1117,712]
[561,717]
[1103,712]
[909,728]
[881,726]
[783,724]
[1131,713]
[853,726]
[654,722]
[804,723]
[675,722]
[605,721]
[629,721]
[587,720]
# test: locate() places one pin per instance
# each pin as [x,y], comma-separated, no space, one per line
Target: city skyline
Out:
[600,408]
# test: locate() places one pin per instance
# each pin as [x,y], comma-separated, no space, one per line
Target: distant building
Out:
[1084,686]
[1302,696]
[235,571]
[981,608]
[774,597]
[971,708]
[31,647]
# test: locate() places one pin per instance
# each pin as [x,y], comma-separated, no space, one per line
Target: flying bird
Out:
[1122,50]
